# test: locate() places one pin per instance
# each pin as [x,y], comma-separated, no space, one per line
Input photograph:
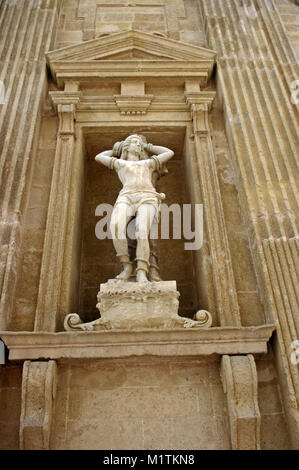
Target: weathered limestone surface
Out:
[239,379]
[38,395]
[145,404]
[27,32]
[77,384]
[288,10]
[243,152]
[176,19]
[138,342]
[10,405]
[134,305]
[257,67]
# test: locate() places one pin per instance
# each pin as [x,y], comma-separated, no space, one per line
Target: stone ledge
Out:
[121,343]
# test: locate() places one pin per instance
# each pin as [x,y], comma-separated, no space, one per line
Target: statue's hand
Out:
[149,148]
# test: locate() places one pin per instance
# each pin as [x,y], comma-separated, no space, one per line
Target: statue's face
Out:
[134,149]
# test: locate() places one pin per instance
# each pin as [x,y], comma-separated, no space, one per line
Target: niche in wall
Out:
[98,259]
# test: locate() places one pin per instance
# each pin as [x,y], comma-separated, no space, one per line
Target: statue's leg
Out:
[119,219]
[154,270]
[144,219]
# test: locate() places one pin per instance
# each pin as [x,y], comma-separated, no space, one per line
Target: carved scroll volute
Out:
[200,103]
[239,379]
[53,253]
[199,114]
[66,113]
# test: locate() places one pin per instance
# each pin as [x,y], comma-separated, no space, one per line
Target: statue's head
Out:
[133,148]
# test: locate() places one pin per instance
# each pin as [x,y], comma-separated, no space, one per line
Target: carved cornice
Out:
[95,59]
[108,104]
[98,71]
[133,104]
[200,101]
[109,344]
[116,43]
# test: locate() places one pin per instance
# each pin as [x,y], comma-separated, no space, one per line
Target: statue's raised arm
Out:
[159,154]
[105,158]
[136,163]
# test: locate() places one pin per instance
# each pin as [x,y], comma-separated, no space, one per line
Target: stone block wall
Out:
[10,406]
[35,219]
[143,405]
[119,405]
[87,19]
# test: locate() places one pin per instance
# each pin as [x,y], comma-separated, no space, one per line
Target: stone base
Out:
[134,305]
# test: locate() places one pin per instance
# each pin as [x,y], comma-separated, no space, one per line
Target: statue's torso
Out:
[136,176]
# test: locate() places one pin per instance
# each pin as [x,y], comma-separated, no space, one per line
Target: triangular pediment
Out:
[130,54]
[131,45]
[133,54]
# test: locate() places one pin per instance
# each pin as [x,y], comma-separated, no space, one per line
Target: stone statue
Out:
[138,198]
[125,304]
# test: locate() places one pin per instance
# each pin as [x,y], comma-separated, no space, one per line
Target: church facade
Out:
[217,82]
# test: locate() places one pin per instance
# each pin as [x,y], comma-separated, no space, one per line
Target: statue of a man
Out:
[138,198]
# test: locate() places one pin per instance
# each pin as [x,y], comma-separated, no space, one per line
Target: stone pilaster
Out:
[38,395]
[27,32]
[239,379]
[224,284]
[56,229]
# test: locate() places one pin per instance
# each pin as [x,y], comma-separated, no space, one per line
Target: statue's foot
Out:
[154,277]
[126,273]
[141,276]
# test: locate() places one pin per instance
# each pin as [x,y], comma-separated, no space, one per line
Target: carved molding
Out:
[134,305]
[239,379]
[113,343]
[38,395]
[137,104]
[164,57]
[115,43]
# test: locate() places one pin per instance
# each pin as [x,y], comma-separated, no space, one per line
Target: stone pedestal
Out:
[134,305]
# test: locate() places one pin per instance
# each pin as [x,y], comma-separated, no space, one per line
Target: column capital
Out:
[65,97]
[65,104]
[200,98]
[200,104]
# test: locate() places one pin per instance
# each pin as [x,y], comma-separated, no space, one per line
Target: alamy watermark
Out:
[184,221]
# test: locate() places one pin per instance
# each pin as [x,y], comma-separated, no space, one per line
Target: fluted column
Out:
[256,66]
[27,30]
[56,229]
